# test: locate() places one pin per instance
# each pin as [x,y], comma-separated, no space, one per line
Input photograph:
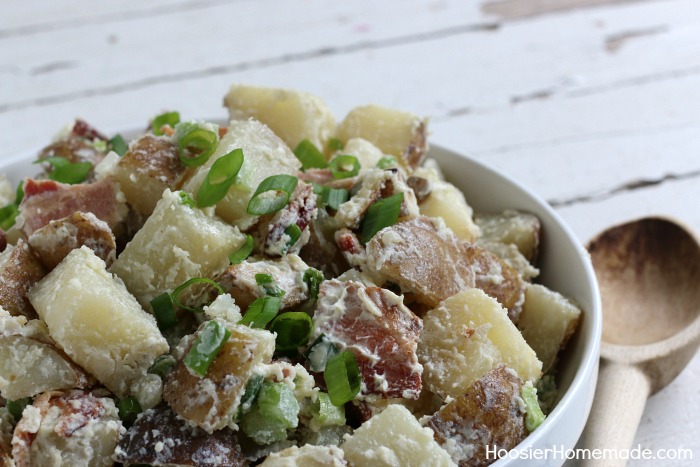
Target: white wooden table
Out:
[592,103]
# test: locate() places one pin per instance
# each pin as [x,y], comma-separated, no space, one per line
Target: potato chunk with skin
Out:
[378,329]
[67,428]
[176,243]
[20,269]
[465,337]
[151,165]
[488,416]
[29,367]
[519,228]
[394,132]
[394,438]
[55,240]
[97,322]
[292,115]
[306,456]
[548,321]
[211,402]
[264,154]
[159,437]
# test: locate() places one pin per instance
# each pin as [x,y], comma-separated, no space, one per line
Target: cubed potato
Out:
[292,115]
[211,402]
[151,165]
[159,437]
[394,132]
[465,337]
[394,438]
[519,228]
[97,322]
[55,240]
[447,202]
[175,244]
[20,269]
[547,322]
[488,415]
[67,428]
[306,456]
[510,254]
[29,367]
[264,154]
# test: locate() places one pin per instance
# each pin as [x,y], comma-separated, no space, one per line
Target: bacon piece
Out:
[379,330]
[46,200]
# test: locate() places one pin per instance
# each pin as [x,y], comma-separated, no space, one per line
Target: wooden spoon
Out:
[649,276]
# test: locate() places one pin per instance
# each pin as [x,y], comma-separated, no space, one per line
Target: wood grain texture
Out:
[592,103]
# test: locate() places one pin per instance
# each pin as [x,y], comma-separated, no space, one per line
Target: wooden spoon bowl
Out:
[649,276]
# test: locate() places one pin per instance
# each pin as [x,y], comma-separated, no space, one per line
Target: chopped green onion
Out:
[275,411]
[195,280]
[293,329]
[294,233]
[534,416]
[309,155]
[197,145]
[261,312]
[252,390]
[334,197]
[129,408]
[164,311]
[168,118]
[220,178]
[387,162]
[186,199]
[163,365]
[261,279]
[8,215]
[209,342]
[342,376]
[19,194]
[268,285]
[313,278]
[344,166]
[263,202]
[118,145]
[243,252]
[320,352]
[324,413]
[65,171]
[16,407]
[335,144]
[381,214]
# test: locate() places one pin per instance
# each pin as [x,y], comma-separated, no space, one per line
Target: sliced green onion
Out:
[272,194]
[118,145]
[534,416]
[209,342]
[16,407]
[309,155]
[313,278]
[320,352]
[65,171]
[129,408]
[261,279]
[163,365]
[335,144]
[268,285]
[294,233]
[275,411]
[186,199]
[164,311]
[168,118]
[342,376]
[324,413]
[220,178]
[252,390]
[243,252]
[261,312]
[334,197]
[381,214]
[293,330]
[196,146]
[344,166]
[195,280]
[387,162]
[19,194]
[8,216]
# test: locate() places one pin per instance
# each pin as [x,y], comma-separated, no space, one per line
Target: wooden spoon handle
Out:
[620,397]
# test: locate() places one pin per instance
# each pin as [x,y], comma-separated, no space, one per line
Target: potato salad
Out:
[281,290]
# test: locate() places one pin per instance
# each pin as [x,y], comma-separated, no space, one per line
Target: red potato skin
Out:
[22,270]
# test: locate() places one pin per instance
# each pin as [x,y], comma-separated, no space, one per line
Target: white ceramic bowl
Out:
[565,267]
